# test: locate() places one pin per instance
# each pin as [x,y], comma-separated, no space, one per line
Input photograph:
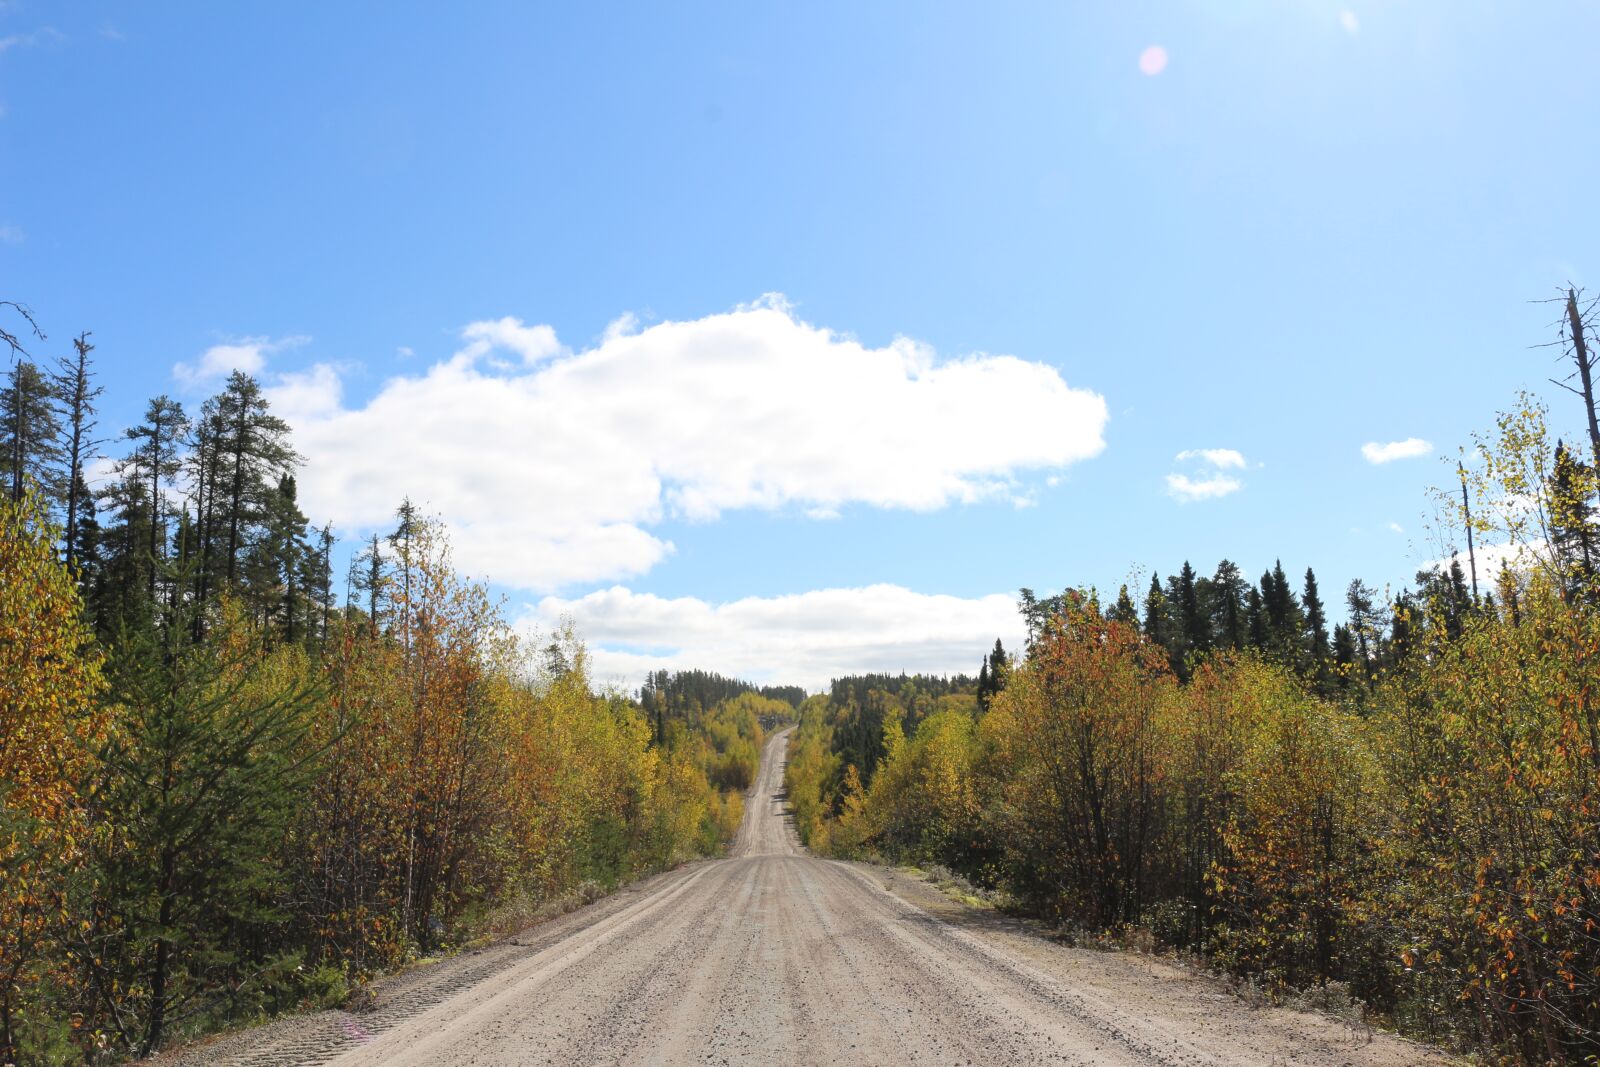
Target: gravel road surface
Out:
[774,957]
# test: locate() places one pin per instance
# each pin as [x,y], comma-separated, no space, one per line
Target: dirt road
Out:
[774,957]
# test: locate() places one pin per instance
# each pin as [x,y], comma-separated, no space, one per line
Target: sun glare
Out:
[1153,60]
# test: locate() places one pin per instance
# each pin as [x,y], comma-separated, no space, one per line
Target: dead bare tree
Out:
[12,342]
[1575,324]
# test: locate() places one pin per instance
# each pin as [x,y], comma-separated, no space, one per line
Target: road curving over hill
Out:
[775,957]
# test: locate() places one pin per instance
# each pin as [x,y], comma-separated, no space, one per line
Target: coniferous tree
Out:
[1365,622]
[1196,627]
[1125,611]
[30,428]
[1572,519]
[1315,638]
[252,451]
[83,544]
[1344,656]
[1285,622]
[77,392]
[122,597]
[278,565]
[1226,605]
[155,460]
[999,667]
[1157,616]
[186,884]
[369,574]
[1255,621]
[322,575]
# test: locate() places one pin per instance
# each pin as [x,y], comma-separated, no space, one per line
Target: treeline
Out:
[1191,616]
[686,696]
[223,793]
[1407,808]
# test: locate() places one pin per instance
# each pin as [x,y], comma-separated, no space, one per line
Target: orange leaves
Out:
[51,720]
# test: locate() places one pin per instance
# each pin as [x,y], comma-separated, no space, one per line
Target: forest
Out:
[1403,810]
[226,791]
[233,783]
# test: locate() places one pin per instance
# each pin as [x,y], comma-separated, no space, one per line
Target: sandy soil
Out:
[772,956]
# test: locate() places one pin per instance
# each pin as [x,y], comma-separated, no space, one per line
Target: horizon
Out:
[791,345]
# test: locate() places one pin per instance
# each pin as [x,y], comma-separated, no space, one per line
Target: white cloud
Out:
[1388,452]
[1221,458]
[624,325]
[301,396]
[1395,527]
[248,354]
[32,39]
[805,639]
[1348,20]
[11,235]
[532,343]
[551,471]
[1209,483]
[1188,489]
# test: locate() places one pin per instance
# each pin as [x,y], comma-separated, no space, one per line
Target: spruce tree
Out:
[75,388]
[252,450]
[1157,618]
[1226,606]
[191,873]
[1315,637]
[155,460]
[1344,656]
[1124,610]
[1193,622]
[30,429]
[1572,518]
[1255,620]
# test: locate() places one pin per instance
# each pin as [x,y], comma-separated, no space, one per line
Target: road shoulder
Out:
[1182,996]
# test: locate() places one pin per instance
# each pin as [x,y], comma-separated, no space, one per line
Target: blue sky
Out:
[1318,225]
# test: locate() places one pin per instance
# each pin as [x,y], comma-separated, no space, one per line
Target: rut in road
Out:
[773,956]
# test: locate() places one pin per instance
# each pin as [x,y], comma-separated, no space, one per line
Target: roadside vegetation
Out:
[1406,810]
[223,794]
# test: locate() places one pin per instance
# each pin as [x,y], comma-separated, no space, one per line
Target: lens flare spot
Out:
[1153,60]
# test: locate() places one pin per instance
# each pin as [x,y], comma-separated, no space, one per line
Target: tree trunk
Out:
[158,972]
[236,494]
[1580,352]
